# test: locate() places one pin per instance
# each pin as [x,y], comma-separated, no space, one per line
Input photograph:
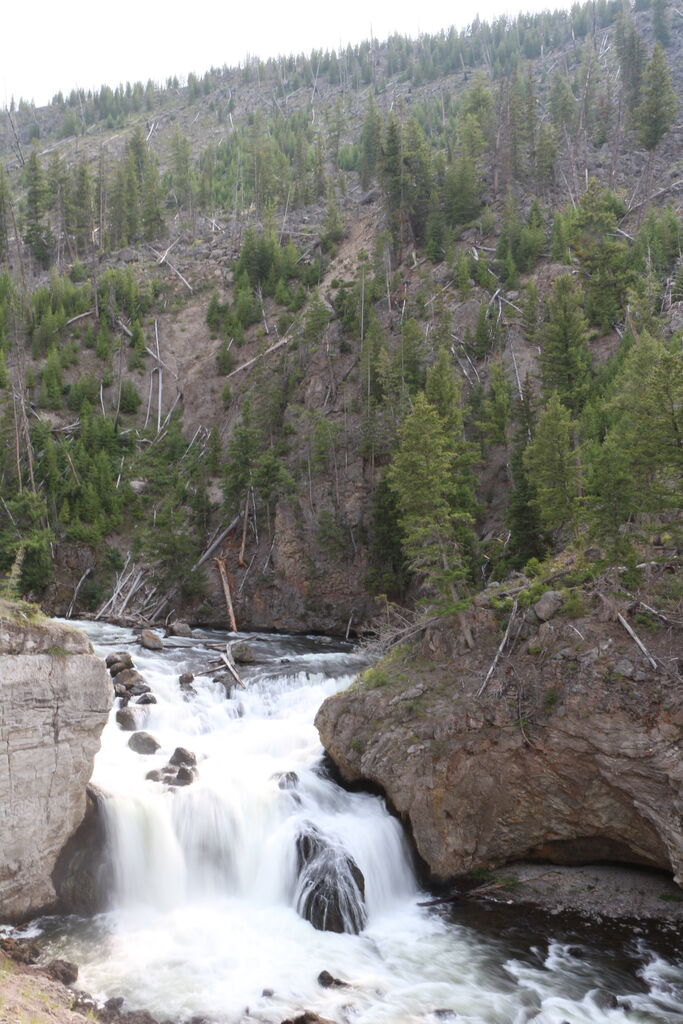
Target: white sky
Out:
[50,46]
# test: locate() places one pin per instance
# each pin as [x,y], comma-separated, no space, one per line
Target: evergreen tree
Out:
[551,463]
[565,360]
[657,112]
[37,233]
[421,476]
[526,534]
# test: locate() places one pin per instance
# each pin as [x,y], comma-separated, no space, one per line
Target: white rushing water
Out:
[204,915]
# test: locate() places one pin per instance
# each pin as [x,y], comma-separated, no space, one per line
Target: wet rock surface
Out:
[331,887]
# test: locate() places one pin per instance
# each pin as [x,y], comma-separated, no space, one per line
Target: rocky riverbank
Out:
[569,754]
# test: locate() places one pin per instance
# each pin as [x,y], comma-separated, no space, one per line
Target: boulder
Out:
[181,756]
[184,777]
[327,980]
[246,653]
[186,679]
[331,888]
[127,719]
[128,677]
[548,605]
[138,689]
[179,628]
[150,640]
[119,657]
[143,743]
[146,698]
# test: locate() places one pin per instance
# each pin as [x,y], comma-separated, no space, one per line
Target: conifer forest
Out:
[374,326]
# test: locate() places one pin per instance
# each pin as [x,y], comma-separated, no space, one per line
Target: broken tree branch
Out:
[639,643]
[499,651]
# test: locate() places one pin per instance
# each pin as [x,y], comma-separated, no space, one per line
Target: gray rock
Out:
[186,679]
[146,698]
[184,777]
[127,719]
[150,640]
[331,887]
[327,980]
[138,689]
[180,629]
[548,605]
[128,677]
[625,668]
[118,661]
[53,708]
[143,743]
[181,756]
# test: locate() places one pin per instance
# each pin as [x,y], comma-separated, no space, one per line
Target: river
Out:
[203,917]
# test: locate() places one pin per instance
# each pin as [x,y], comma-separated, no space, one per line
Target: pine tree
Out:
[551,463]
[565,359]
[37,233]
[657,112]
[421,476]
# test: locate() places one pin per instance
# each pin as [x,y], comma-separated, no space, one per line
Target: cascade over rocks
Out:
[55,696]
[84,874]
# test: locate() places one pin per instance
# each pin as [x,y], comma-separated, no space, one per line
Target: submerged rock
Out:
[143,743]
[287,780]
[331,886]
[327,980]
[181,756]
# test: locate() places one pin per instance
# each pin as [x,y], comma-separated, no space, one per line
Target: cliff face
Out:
[573,754]
[54,699]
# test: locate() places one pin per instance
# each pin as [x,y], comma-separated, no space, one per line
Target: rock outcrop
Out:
[566,757]
[54,699]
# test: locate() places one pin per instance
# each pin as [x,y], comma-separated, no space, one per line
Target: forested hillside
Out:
[394,321]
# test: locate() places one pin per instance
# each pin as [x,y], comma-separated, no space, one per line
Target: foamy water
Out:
[204,913]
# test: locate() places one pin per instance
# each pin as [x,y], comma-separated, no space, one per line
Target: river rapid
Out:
[203,917]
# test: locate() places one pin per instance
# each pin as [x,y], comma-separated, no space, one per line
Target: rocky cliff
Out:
[54,699]
[572,753]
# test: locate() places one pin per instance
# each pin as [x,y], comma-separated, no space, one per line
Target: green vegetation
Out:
[399,367]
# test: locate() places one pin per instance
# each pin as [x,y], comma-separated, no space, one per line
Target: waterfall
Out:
[233,893]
